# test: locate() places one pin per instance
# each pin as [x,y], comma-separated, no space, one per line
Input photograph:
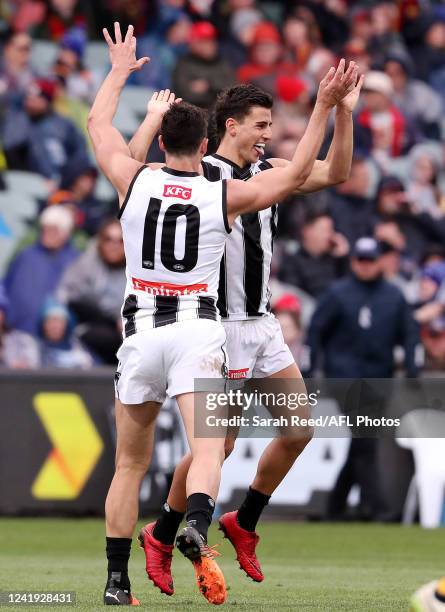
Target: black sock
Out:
[118,553]
[250,510]
[167,525]
[200,507]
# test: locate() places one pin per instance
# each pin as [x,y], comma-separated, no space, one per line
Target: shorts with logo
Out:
[256,348]
[164,361]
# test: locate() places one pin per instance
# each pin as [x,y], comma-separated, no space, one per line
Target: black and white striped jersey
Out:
[243,291]
[174,228]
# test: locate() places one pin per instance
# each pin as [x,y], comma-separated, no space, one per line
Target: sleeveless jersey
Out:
[174,228]
[243,291]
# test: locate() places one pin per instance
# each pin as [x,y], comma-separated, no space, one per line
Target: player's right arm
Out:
[112,153]
[274,185]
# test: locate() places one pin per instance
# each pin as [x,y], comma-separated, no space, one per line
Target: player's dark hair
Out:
[183,128]
[236,102]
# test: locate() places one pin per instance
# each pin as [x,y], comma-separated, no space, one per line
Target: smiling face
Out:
[251,133]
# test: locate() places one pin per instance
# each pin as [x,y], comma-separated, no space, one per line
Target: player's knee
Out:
[296,443]
[134,465]
[209,453]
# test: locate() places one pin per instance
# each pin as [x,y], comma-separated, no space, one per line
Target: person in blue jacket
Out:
[35,272]
[360,319]
[357,324]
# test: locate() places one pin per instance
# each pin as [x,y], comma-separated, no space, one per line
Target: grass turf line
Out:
[308,567]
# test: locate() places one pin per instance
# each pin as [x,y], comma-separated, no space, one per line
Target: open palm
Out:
[349,102]
[123,52]
[161,101]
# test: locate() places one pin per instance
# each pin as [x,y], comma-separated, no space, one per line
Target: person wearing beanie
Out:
[39,139]
[202,73]
[59,347]
[35,272]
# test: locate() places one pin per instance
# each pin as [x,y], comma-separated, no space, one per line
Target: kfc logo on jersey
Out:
[176,191]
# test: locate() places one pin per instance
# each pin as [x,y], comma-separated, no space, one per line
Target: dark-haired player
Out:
[255,343]
[172,330]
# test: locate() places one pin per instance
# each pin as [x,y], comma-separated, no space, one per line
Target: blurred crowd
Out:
[374,244]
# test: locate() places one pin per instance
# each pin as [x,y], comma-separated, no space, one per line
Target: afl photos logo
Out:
[176,191]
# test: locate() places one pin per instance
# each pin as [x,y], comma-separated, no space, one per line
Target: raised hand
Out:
[349,102]
[123,52]
[337,84]
[161,101]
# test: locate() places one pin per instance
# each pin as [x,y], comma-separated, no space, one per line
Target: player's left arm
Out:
[111,150]
[143,137]
[337,165]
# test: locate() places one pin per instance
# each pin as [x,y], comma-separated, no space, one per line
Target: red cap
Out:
[288,302]
[266,32]
[290,88]
[43,87]
[202,30]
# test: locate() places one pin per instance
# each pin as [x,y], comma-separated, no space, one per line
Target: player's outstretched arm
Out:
[157,107]
[111,150]
[275,184]
[337,165]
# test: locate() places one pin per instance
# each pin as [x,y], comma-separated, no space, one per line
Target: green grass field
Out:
[308,567]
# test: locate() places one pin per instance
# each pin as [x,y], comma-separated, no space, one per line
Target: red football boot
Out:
[158,559]
[244,543]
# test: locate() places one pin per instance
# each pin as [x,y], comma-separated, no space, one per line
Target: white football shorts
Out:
[165,361]
[256,348]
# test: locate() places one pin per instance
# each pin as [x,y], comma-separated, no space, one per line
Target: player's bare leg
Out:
[159,536]
[280,455]
[275,462]
[135,426]
[202,487]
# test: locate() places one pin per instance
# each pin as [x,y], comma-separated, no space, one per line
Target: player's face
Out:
[253,133]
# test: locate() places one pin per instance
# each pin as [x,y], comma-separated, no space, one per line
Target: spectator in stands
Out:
[202,73]
[402,222]
[167,44]
[40,140]
[61,16]
[16,74]
[425,165]
[59,348]
[93,289]
[239,34]
[78,185]
[350,205]
[69,68]
[430,314]
[265,58]
[360,319]
[414,98]
[17,348]
[429,56]
[298,42]
[321,258]
[391,133]
[357,324]
[36,271]
[385,40]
